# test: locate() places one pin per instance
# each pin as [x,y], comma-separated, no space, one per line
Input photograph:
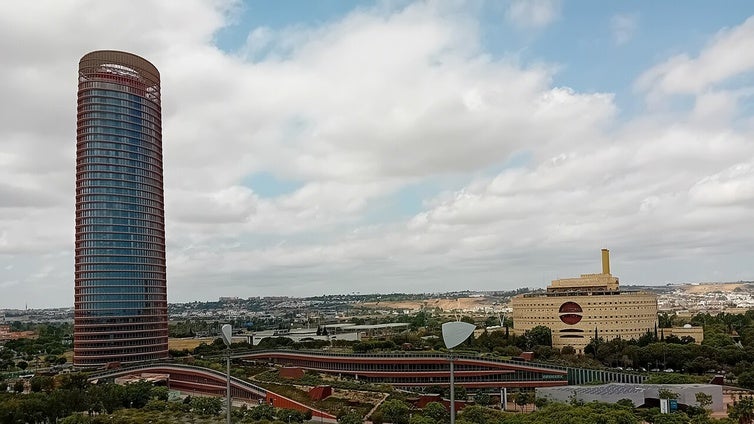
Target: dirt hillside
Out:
[464,304]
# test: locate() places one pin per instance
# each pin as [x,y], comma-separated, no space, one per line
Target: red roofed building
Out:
[6,334]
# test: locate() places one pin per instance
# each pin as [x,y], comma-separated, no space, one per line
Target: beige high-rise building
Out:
[578,309]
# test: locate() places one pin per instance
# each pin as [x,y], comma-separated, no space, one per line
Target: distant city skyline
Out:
[376,146]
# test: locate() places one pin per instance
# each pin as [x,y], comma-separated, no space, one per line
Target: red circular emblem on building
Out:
[570,313]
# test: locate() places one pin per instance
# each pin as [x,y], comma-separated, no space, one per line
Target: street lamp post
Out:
[452,390]
[227,332]
[453,334]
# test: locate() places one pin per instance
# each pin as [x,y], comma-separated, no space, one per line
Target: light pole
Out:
[453,334]
[227,332]
[452,389]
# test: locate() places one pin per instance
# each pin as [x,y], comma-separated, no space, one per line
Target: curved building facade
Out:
[120,276]
[576,310]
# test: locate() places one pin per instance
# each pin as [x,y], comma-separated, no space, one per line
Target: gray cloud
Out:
[353,119]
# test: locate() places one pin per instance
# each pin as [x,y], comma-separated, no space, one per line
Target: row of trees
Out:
[51,399]
[52,341]
[574,412]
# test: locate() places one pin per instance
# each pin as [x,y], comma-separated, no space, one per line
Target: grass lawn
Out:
[188,343]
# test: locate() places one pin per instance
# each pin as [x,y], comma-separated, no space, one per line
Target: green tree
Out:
[262,412]
[667,394]
[539,336]
[395,411]
[703,400]
[479,415]
[670,378]
[18,386]
[746,380]
[74,381]
[77,419]
[701,364]
[350,417]
[665,320]
[421,419]
[491,321]
[437,412]
[742,410]
[160,393]
[590,413]
[31,408]
[460,392]
[137,394]
[524,398]
[109,396]
[674,418]
[717,340]
[290,415]
[540,402]
[483,398]
[483,342]
[647,338]
[39,383]
[156,405]
[468,319]
[568,350]
[206,405]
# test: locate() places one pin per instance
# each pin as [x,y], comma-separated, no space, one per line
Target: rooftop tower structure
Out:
[120,277]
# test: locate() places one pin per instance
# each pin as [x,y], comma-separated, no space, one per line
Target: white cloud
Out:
[731,187]
[623,27]
[354,111]
[722,58]
[533,14]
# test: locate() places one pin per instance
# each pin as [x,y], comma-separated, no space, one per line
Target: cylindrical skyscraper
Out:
[120,281]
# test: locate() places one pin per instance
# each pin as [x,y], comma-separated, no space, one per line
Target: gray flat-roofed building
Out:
[370,330]
[391,325]
[639,394]
[300,335]
[687,393]
[350,327]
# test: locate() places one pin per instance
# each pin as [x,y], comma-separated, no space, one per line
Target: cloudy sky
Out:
[392,146]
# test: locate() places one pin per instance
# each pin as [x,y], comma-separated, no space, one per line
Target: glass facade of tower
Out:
[120,281]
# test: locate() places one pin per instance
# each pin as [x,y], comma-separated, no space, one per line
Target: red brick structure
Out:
[291,372]
[320,392]
[6,334]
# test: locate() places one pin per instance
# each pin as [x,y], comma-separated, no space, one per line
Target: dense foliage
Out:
[728,348]
[553,412]
[71,399]
[45,349]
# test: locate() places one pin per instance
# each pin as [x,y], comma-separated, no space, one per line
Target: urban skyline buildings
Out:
[120,273]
